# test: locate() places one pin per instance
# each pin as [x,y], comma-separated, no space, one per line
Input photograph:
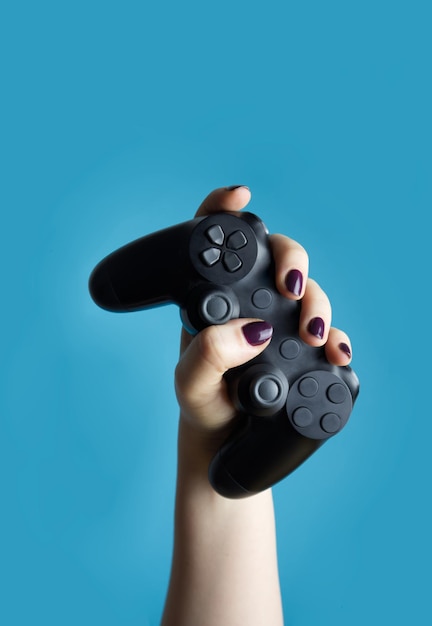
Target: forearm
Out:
[224,569]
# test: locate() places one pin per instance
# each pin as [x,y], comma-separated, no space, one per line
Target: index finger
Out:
[232,198]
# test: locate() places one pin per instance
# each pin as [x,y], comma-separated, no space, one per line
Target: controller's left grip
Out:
[147,272]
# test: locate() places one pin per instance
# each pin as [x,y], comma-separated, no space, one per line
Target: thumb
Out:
[200,386]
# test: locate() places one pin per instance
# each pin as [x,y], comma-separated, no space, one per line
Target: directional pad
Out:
[235,241]
[223,248]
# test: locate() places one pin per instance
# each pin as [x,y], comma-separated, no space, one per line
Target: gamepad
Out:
[290,399]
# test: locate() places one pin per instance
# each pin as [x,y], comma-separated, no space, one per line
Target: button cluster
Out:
[223,248]
[319,405]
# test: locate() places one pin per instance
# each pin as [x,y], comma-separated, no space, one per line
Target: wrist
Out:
[197,445]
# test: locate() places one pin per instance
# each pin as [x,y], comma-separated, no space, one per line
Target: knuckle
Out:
[317,294]
[210,345]
[181,380]
[301,251]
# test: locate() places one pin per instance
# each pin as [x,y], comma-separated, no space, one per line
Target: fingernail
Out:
[257,333]
[316,327]
[232,187]
[345,349]
[294,282]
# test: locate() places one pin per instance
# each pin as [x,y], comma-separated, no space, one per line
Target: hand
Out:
[206,410]
[225,560]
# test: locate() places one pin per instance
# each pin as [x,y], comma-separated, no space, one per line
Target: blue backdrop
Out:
[117,118]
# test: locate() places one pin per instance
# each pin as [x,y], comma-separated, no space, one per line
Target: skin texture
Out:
[224,569]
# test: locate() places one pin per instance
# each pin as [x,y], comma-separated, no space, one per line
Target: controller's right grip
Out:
[253,459]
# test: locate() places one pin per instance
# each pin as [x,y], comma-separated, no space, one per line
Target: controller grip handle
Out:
[147,272]
[253,459]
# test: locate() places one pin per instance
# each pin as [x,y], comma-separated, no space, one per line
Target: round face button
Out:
[262,298]
[331,423]
[302,417]
[337,393]
[308,387]
[289,349]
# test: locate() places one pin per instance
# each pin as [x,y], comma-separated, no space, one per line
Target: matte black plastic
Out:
[290,398]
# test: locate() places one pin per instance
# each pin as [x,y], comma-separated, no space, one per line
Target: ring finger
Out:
[315,316]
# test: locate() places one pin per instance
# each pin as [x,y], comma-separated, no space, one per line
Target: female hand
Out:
[201,389]
[224,567]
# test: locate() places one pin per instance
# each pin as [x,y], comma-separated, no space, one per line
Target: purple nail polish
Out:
[294,282]
[257,333]
[345,349]
[316,327]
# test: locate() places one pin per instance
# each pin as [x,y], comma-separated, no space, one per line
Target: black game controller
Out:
[290,398]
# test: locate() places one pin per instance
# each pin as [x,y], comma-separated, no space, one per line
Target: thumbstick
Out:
[261,390]
[207,306]
[216,308]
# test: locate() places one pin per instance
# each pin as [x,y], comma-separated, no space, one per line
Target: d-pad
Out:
[226,250]
[223,249]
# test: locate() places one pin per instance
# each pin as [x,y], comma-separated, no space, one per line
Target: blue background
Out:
[116,120]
